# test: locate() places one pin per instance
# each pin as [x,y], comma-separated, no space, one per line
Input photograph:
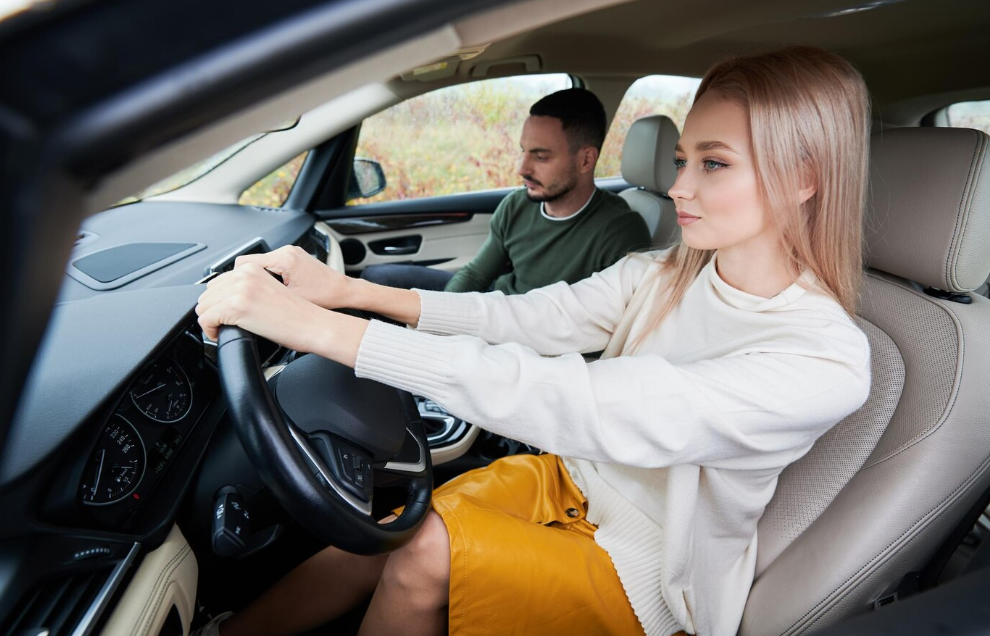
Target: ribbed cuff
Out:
[633,541]
[448,313]
[403,358]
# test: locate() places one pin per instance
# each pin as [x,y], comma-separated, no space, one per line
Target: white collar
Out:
[567,218]
[744,300]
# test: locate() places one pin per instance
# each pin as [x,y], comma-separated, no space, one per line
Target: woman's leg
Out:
[412,596]
[322,588]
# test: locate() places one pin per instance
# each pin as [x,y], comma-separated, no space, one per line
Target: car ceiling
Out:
[916,55]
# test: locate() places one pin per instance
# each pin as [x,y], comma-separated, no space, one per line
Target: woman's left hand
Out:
[251,298]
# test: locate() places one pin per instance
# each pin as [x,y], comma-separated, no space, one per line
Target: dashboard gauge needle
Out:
[99,471]
[138,397]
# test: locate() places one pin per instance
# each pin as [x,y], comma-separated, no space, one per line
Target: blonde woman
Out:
[725,358]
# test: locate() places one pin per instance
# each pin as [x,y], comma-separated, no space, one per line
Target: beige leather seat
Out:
[879,494]
[648,164]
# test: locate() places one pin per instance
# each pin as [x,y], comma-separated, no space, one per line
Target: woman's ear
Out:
[809,185]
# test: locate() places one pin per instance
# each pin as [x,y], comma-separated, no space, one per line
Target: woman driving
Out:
[725,358]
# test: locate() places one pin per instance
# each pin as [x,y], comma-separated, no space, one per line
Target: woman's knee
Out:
[422,566]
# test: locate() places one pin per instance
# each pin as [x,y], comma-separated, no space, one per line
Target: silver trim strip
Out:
[88,621]
[303,445]
[212,269]
[406,467]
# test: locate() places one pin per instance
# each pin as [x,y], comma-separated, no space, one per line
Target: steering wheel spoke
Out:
[410,461]
[344,470]
[322,438]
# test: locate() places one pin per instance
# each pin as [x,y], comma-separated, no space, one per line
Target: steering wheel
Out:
[323,440]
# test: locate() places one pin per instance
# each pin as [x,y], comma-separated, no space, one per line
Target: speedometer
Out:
[162,392]
[116,466]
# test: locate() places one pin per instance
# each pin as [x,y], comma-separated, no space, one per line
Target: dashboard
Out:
[145,431]
[121,429]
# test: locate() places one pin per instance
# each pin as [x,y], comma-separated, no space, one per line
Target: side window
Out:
[651,95]
[273,189]
[969,115]
[457,139]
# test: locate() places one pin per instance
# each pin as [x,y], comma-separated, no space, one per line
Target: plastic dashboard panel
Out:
[91,348]
[220,228]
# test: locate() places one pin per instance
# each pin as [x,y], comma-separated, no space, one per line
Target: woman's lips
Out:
[683,218]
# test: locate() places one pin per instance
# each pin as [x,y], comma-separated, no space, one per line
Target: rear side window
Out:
[461,138]
[668,95]
[969,115]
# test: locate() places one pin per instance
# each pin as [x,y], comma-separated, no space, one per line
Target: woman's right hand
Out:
[305,275]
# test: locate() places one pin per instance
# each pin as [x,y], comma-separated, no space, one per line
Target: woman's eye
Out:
[711,165]
[679,163]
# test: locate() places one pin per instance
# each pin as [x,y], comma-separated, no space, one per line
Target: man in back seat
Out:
[560,226]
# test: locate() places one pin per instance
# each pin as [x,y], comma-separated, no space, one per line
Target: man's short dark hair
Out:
[581,113]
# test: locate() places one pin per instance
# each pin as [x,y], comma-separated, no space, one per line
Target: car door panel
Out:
[444,232]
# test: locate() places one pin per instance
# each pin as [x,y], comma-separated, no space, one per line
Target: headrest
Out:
[928,212]
[648,154]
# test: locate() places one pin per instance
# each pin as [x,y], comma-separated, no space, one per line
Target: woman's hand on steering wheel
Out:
[304,275]
[250,298]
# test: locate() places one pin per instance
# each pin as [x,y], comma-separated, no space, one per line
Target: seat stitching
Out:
[965,485]
[963,214]
[955,393]
[925,519]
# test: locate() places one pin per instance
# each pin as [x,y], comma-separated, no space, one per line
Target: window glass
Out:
[273,190]
[457,139]
[188,175]
[651,95]
[970,115]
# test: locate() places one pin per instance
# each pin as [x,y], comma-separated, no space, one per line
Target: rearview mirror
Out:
[367,179]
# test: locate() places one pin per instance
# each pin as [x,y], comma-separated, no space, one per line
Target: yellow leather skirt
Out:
[523,556]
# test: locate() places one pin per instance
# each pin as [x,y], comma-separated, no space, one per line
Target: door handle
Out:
[397,250]
[397,246]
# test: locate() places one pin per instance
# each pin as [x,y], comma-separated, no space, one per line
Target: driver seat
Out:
[878,496]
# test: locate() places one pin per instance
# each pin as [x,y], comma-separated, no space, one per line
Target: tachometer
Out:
[162,392]
[116,466]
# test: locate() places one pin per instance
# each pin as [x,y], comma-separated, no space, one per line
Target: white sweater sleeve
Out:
[552,320]
[750,411]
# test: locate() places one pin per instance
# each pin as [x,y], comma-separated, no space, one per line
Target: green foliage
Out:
[274,188]
[631,109]
[467,139]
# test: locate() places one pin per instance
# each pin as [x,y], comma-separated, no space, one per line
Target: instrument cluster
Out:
[146,429]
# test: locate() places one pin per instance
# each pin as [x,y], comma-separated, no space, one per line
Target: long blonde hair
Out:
[809,114]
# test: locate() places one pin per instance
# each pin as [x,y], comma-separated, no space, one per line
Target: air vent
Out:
[58,606]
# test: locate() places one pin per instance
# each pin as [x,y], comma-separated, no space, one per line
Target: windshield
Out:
[188,175]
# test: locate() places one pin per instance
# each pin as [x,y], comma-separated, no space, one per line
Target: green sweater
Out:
[526,250]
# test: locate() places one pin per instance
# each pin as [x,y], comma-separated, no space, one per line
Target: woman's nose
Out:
[682,188]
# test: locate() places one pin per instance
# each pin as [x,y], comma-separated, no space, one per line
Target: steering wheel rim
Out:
[300,471]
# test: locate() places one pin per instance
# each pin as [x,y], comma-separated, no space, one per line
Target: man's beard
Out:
[549,196]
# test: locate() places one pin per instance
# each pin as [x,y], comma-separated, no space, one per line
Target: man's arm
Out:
[491,261]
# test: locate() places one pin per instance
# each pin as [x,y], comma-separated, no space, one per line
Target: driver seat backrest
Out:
[648,164]
[878,495]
